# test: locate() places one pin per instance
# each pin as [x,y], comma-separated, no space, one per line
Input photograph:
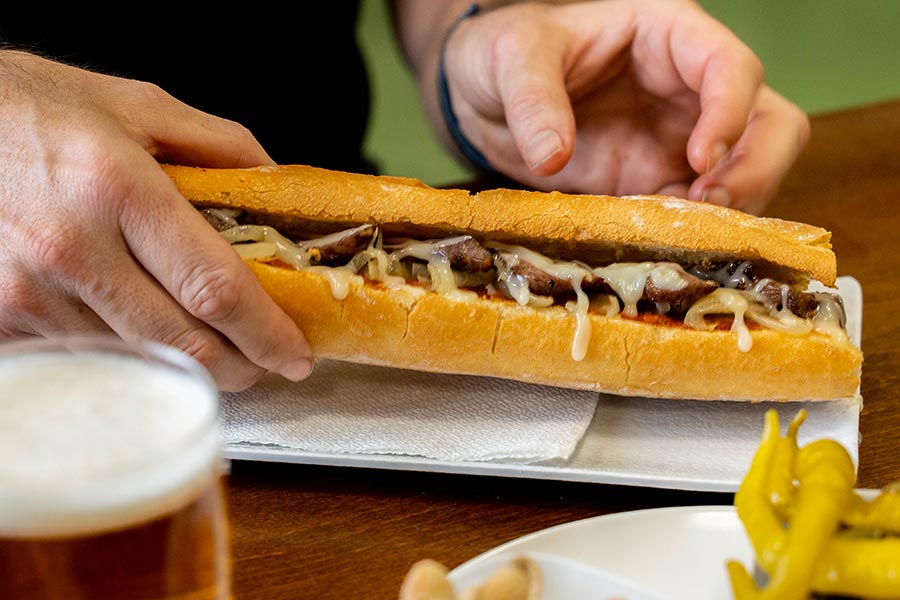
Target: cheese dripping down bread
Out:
[647,295]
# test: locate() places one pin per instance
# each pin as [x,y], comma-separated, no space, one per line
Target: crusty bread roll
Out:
[647,354]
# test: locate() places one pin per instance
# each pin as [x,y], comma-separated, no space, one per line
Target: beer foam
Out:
[92,441]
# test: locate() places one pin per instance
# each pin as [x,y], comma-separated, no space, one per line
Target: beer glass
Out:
[110,474]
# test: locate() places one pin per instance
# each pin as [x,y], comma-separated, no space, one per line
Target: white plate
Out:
[675,553]
[563,578]
[691,445]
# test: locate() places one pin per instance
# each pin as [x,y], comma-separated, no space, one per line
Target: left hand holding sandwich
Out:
[614,97]
[662,98]
[96,239]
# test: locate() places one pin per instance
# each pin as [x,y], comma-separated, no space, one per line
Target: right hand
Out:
[661,97]
[96,238]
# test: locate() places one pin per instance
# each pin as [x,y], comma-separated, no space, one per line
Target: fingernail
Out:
[543,147]
[297,370]
[714,155]
[716,195]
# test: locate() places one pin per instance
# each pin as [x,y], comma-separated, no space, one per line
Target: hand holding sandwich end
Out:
[621,97]
[98,240]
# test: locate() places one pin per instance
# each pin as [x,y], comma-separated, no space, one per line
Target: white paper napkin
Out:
[358,409]
[694,444]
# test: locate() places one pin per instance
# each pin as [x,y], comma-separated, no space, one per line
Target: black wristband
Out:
[462,142]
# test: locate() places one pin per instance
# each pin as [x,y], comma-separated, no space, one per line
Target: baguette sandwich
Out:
[643,295]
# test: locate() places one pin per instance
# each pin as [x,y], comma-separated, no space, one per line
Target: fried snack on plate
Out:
[813,535]
[427,579]
[520,579]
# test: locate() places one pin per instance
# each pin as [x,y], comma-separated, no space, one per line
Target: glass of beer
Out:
[110,474]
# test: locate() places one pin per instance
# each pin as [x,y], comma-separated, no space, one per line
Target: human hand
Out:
[622,97]
[96,238]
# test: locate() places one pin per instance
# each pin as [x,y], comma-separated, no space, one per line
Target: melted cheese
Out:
[583,327]
[782,320]
[339,278]
[722,301]
[562,269]
[829,317]
[517,285]
[377,263]
[627,280]
[440,274]
[286,250]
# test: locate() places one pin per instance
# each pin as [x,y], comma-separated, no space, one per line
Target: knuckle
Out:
[202,344]
[211,294]
[509,42]
[141,100]
[100,178]
[238,130]
[752,64]
[55,249]
[108,179]
[244,139]
[148,93]
[209,349]
[528,104]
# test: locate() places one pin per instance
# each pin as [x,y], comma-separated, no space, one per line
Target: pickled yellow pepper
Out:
[803,519]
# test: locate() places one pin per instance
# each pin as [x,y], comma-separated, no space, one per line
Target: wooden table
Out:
[341,533]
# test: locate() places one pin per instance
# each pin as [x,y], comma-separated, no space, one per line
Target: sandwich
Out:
[638,296]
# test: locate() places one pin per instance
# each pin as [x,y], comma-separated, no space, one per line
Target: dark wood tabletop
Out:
[303,531]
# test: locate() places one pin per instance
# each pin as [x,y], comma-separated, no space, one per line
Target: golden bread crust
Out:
[412,328]
[604,228]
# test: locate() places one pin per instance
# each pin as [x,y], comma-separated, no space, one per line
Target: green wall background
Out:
[824,55]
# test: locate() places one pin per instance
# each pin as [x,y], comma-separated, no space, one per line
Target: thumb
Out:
[537,108]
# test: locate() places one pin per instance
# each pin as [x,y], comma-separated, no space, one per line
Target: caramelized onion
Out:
[780,320]
[720,302]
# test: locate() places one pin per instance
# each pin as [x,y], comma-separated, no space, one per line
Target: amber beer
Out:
[110,474]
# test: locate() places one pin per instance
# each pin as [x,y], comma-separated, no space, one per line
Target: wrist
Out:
[450,120]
